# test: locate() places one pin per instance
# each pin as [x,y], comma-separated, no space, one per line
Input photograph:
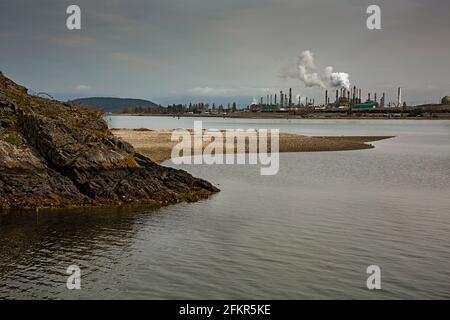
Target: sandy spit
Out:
[157,144]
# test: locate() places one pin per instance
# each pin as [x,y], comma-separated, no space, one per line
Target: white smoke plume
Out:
[306,73]
[336,79]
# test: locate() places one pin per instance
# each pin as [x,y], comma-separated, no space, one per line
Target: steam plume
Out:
[306,73]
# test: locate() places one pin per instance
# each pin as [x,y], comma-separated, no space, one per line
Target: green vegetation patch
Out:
[14,139]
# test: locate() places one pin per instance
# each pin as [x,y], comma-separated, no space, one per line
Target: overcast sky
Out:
[176,48]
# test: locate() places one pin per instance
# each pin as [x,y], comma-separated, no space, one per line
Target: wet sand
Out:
[157,144]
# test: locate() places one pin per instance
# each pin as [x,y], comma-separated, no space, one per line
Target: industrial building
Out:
[345,100]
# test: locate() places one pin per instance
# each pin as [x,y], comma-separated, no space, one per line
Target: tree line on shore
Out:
[182,108]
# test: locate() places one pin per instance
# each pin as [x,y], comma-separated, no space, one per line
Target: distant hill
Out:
[113,104]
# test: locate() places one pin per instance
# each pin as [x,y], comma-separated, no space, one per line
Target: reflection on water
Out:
[308,232]
[37,247]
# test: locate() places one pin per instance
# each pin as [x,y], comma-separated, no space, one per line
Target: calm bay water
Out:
[308,232]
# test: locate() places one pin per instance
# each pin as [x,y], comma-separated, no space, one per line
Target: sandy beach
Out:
[157,144]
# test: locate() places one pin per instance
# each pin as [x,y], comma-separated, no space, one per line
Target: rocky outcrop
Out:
[54,154]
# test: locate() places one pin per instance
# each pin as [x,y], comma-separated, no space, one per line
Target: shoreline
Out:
[157,144]
[277,116]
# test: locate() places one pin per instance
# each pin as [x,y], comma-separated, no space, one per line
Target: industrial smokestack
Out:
[326,96]
[275,99]
[281,98]
[290,97]
[399,96]
[337,96]
[368,95]
[375,97]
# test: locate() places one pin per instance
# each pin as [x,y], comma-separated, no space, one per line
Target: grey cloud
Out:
[151,49]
